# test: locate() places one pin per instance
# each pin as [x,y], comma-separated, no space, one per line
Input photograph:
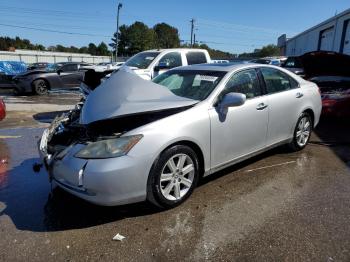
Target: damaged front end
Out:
[97,127]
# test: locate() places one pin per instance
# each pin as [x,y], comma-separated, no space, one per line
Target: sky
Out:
[234,26]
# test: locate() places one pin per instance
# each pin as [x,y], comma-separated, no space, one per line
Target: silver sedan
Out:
[135,140]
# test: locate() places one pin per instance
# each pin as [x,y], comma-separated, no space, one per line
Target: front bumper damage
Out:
[108,182]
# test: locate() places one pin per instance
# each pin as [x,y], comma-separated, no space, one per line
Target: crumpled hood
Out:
[324,63]
[125,93]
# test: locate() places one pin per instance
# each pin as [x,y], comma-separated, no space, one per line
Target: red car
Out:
[2,109]
[336,103]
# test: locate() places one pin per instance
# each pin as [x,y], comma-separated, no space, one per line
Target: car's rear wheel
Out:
[40,87]
[173,177]
[302,132]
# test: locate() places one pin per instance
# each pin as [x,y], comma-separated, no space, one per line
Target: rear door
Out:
[71,76]
[242,130]
[285,98]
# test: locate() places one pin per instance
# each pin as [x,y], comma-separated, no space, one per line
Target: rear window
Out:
[196,58]
[292,62]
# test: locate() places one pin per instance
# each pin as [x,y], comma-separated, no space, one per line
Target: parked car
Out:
[149,64]
[220,61]
[38,66]
[60,75]
[322,67]
[330,71]
[102,67]
[9,69]
[2,109]
[267,61]
[336,103]
[154,140]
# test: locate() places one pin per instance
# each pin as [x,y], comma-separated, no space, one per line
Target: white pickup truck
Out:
[149,64]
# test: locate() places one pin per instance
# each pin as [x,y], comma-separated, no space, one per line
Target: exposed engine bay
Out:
[66,130]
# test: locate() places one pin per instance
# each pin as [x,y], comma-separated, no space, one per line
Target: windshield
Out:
[195,85]
[142,60]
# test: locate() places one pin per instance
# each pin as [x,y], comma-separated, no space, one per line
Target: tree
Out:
[134,39]
[166,36]
[83,50]
[269,50]
[60,48]
[92,49]
[102,49]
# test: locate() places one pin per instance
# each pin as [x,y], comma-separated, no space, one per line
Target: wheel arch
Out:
[311,113]
[195,147]
[41,78]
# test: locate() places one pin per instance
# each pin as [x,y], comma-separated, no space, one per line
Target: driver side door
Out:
[70,75]
[242,130]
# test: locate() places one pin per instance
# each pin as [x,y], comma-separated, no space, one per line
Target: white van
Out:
[149,64]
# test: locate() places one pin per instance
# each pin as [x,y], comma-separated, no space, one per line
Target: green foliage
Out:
[268,50]
[166,36]
[134,39]
[7,43]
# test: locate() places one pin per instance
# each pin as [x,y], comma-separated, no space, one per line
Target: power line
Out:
[52,31]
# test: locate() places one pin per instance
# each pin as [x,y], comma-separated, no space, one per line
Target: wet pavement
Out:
[279,206]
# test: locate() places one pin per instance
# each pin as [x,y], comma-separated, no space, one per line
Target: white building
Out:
[330,35]
[33,56]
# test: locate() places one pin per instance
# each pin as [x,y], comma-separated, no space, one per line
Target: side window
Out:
[172,59]
[69,68]
[277,81]
[245,82]
[196,58]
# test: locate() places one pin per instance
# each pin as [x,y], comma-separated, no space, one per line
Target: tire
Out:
[302,132]
[40,87]
[178,181]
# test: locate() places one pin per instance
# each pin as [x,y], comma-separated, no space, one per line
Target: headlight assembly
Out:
[109,148]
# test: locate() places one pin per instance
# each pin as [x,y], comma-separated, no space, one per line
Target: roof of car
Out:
[176,49]
[226,67]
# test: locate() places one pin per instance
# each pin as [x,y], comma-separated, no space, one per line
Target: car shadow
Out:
[33,206]
[333,132]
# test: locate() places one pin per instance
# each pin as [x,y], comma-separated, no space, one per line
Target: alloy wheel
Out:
[177,177]
[303,131]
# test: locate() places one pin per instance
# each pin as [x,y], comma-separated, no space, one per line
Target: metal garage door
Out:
[346,39]
[326,39]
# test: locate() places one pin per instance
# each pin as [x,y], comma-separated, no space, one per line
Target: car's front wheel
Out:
[173,177]
[302,132]
[40,87]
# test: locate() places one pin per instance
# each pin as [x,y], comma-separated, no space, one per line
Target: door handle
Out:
[298,95]
[261,106]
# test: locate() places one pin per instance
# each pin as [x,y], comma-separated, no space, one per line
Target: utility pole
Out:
[194,39]
[192,29]
[117,40]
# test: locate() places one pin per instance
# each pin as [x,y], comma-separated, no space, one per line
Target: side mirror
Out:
[162,66]
[59,71]
[231,100]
